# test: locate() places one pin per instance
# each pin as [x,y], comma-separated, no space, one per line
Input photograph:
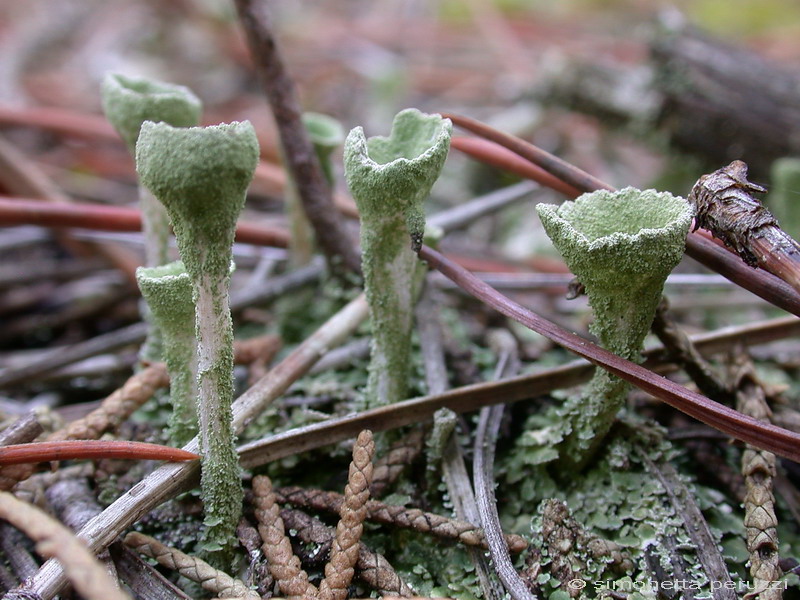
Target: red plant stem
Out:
[724,262]
[59,120]
[742,427]
[495,155]
[37,452]
[23,211]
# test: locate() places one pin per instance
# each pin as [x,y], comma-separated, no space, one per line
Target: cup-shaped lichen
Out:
[389,178]
[167,289]
[130,101]
[621,246]
[201,176]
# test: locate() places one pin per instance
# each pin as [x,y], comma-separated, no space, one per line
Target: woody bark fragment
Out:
[725,205]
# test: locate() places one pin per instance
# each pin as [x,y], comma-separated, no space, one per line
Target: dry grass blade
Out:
[54,540]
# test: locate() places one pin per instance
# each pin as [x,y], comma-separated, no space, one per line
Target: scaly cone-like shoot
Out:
[389,178]
[621,246]
[167,289]
[783,199]
[326,134]
[128,102]
[201,176]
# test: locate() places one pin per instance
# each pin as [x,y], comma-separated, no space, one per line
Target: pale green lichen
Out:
[201,176]
[621,246]
[128,102]
[389,178]
[167,289]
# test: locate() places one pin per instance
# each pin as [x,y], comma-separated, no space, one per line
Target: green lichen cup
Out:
[389,178]
[621,246]
[201,175]
[130,101]
[167,289]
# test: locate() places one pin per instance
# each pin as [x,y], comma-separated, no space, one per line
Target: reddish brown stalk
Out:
[24,211]
[37,452]
[496,155]
[762,435]
[759,282]
[301,160]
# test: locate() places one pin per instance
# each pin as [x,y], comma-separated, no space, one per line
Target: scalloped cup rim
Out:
[618,237]
[361,141]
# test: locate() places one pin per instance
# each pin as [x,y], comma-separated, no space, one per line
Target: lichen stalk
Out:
[201,176]
[389,178]
[128,102]
[621,246]
[168,292]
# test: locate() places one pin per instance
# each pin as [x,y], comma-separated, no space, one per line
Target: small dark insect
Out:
[36,452]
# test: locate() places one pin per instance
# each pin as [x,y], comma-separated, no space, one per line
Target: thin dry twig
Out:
[121,404]
[283,564]
[344,553]
[195,569]
[681,350]
[172,478]
[301,160]
[758,469]
[54,540]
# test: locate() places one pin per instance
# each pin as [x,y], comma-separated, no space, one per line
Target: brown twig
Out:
[725,206]
[391,465]
[373,568]
[563,535]
[24,211]
[301,160]
[21,177]
[493,154]
[727,420]
[681,350]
